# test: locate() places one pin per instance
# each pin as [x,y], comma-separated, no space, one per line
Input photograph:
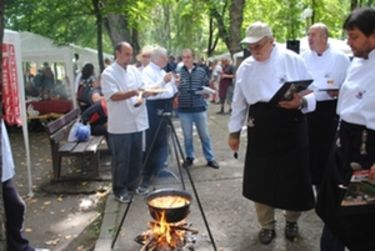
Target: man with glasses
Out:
[276,171]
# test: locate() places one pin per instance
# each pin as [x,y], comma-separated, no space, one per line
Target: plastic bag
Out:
[79,132]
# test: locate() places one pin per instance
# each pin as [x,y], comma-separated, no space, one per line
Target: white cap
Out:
[255,32]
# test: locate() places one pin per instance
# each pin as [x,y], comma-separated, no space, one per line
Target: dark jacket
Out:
[188,100]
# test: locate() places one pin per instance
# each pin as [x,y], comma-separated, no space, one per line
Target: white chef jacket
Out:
[153,77]
[356,103]
[259,81]
[328,70]
[123,117]
[7,156]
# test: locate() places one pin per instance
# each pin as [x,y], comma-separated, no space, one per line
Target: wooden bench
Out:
[58,131]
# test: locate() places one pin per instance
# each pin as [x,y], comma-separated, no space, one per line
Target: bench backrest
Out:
[63,121]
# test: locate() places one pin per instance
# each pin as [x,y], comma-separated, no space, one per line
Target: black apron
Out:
[322,126]
[354,226]
[276,166]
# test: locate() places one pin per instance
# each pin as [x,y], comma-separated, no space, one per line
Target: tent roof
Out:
[38,48]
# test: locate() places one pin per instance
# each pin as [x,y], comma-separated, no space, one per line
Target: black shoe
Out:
[266,236]
[213,164]
[291,230]
[189,161]
[221,112]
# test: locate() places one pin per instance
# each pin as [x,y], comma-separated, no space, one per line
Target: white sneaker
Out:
[42,249]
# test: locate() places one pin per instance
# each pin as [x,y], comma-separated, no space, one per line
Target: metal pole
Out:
[122,222]
[193,186]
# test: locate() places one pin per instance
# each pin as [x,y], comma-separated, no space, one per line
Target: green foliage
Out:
[170,23]
[285,17]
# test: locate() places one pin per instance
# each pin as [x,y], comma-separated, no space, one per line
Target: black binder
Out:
[287,90]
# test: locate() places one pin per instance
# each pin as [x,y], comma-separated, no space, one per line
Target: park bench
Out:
[58,131]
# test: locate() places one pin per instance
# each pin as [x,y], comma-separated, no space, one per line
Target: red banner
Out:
[11,102]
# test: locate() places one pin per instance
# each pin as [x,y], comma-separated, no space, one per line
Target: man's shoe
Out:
[189,161]
[42,249]
[124,198]
[213,164]
[165,173]
[142,190]
[291,230]
[266,236]
[220,112]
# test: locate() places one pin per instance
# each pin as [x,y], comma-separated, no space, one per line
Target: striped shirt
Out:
[191,82]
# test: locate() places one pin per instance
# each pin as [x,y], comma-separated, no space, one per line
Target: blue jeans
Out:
[127,159]
[200,120]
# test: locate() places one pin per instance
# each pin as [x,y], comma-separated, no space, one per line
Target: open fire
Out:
[169,229]
[164,236]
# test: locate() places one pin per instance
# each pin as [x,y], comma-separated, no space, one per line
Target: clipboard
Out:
[287,90]
[329,89]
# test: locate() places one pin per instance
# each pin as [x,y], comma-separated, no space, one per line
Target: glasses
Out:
[258,46]
[146,56]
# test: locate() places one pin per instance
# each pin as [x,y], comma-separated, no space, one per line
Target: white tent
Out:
[12,37]
[39,49]
[88,55]
[30,47]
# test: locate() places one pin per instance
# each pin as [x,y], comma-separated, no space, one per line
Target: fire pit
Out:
[168,231]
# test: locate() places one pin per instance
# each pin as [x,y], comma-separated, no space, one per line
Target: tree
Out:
[231,35]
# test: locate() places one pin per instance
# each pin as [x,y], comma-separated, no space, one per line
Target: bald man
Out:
[328,67]
[127,120]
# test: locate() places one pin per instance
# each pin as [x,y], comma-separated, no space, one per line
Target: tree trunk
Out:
[167,26]
[231,36]
[118,28]
[99,31]
[3,243]
[211,42]
[236,18]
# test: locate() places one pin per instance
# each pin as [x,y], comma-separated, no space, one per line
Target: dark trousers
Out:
[157,153]
[14,212]
[126,150]
[329,242]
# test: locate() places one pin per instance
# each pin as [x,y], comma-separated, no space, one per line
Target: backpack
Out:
[85,91]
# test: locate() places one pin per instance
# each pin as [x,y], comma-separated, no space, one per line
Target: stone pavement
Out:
[231,217]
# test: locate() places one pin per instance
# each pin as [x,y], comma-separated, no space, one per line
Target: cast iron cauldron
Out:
[173,214]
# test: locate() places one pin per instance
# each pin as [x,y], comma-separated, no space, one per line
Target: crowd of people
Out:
[314,139]
[317,137]
[291,144]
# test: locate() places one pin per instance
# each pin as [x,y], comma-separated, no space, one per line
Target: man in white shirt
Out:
[276,171]
[356,142]
[155,77]
[328,67]
[127,120]
[14,206]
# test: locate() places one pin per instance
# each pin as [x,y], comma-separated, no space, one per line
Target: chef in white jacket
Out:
[276,167]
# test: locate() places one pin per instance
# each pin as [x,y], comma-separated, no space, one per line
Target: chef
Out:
[276,171]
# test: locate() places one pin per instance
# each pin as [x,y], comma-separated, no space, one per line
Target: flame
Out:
[165,234]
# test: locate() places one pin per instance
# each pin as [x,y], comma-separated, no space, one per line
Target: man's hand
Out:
[333,94]
[168,77]
[177,78]
[295,103]
[234,143]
